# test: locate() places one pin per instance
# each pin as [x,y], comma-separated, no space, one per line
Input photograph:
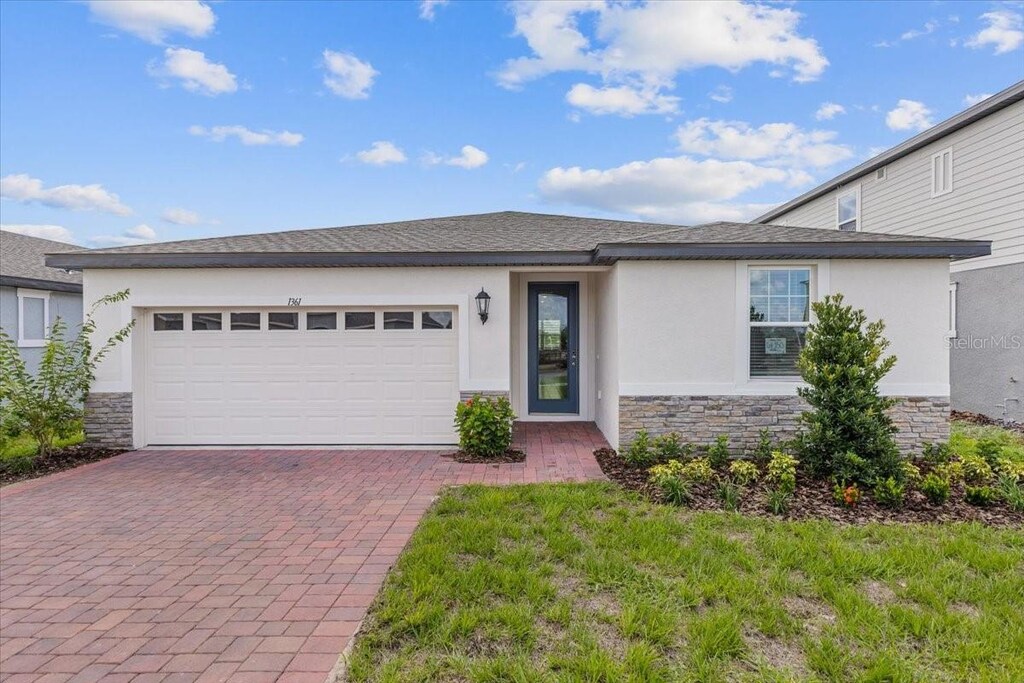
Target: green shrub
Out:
[763,451]
[989,450]
[850,467]
[842,364]
[1010,468]
[485,425]
[976,469]
[982,496]
[743,472]
[697,471]
[669,446]
[49,405]
[952,471]
[729,493]
[781,475]
[935,488]
[778,501]
[911,473]
[889,492]
[639,452]
[665,471]
[718,452]
[936,454]
[677,491]
[18,464]
[1012,492]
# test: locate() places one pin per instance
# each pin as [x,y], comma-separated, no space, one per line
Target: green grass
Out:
[586,583]
[964,438]
[24,446]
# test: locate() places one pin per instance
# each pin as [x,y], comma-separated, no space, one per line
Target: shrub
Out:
[669,470]
[778,501]
[764,448]
[952,471]
[842,364]
[975,469]
[781,473]
[669,446]
[743,473]
[982,496]
[639,453]
[676,491]
[485,425]
[848,496]
[18,464]
[1010,468]
[1012,492]
[911,472]
[935,488]
[889,492]
[850,467]
[718,452]
[729,493]
[697,471]
[50,403]
[989,450]
[936,454]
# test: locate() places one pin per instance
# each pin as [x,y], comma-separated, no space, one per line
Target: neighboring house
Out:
[963,178]
[33,295]
[370,334]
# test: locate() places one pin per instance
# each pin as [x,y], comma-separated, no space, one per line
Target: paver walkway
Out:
[223,565]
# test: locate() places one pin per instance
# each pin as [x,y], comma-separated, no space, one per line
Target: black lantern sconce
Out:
[483,305]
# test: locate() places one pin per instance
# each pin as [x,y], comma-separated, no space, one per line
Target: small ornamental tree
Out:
[50,403]
[842,364]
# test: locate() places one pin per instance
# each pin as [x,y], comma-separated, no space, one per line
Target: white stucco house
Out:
[370,334]
[962,178]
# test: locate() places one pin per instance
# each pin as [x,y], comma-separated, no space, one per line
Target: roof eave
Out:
[35,283]
[958,249]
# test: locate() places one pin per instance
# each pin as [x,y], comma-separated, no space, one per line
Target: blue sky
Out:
[124,122]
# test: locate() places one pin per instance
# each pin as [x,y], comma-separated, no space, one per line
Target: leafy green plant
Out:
[50,404]
[935,488]
[665,471]
[781,474]
[697,471]
[935,454]
[763,451]
[718,452]
[1012,492]
[911,473]
[639,452]
[989,450]
[842,363]
[669,446]
[729,493]
[1010,468]
[485,425]
[743,472]
[850,467]
[976,469]
[889,492]
[952,471]
[981,496]
[848,496]
[677,491]
[778,501]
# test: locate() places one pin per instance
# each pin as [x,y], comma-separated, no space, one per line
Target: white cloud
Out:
[248,137]
[382,153]
[347,76]
[651,43]
[623,100]
[971,100]
[722,93]
[671,189]
[180,216]
[195,71]
[46,232]
[140,234]
[776,144]
[1005,31]
[429,7]
[909,115]
[25,189]
[929,27]
[470,157]
[828,111]
[152,21]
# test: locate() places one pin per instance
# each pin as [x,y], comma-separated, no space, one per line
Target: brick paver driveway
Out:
[222,565]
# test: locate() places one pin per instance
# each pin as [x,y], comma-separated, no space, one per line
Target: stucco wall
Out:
[65,305]
[987,355]
[606,348]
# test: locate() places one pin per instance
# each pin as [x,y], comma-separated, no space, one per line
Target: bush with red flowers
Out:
[485,425]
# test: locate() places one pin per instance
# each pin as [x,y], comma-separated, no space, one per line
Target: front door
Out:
[554,347]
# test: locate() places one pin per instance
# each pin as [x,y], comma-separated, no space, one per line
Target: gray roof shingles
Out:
[22,262]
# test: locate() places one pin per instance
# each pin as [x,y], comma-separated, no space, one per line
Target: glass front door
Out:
[553,347]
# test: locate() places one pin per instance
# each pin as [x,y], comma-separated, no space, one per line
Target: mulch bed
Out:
[511,455]
[986,421]
[63,459]
[813,500]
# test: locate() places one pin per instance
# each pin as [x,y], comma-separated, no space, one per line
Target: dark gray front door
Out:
[553,347]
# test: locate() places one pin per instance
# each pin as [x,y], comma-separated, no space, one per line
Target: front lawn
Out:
[571,582]
[24,446]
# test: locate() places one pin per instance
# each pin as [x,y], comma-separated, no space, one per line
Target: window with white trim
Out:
[33,317]
[952,310]
[780,310]
[848,210]
[942,172]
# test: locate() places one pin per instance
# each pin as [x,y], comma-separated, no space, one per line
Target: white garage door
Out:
[288,376]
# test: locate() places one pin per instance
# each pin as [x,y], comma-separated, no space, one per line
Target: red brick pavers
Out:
[223,565]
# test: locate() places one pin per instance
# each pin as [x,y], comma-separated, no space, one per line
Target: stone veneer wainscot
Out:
[108,419]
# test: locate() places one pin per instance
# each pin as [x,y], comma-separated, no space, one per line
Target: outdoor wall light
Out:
[483,305]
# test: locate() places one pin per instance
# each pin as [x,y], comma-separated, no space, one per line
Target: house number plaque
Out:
[295,301]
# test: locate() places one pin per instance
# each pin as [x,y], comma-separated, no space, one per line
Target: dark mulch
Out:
[986,421]
[15,470]
[813,500]
[511,455]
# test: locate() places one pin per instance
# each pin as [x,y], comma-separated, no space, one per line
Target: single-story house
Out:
[370,334]
[33,295]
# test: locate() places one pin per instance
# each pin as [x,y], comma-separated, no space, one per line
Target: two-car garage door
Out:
[294,376]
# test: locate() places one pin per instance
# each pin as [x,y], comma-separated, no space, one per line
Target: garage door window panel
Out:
[205,322]
[360,320]
[436,320]
[282,321]
[245,322]
[321,321]
[398,320]
[168,322]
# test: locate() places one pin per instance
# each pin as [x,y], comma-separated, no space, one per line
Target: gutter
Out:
[33,283]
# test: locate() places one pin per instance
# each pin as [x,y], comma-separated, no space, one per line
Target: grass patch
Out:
[964,438]
[24,446]
[585,582]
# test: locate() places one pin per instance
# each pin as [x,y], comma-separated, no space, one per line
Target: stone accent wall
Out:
[464,395]
[699,419]
[108,420]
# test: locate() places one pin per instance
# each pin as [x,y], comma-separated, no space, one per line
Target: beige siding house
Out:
[963,179]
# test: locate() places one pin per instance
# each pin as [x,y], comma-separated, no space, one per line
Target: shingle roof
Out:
[510,238]
[22,263]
